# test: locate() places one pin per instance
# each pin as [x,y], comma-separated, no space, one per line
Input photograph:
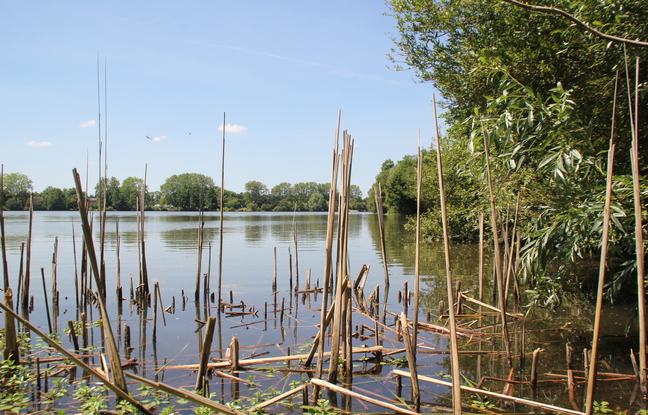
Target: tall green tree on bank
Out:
[17,188]
[538,90]
[189,191]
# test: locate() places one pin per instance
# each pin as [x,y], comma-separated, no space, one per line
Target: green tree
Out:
[53,198]
[465,47]
[17,188]
[130,192]
[256,195]
[188,191]
[316,203]
[111,189]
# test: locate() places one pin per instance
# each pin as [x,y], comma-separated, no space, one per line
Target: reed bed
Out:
[356,339]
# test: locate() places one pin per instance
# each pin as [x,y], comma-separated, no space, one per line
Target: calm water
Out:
[250,240]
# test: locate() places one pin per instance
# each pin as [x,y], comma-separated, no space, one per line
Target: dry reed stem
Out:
[335,388]
[276,399]
[262,361]
[185,394]
[118,374]
[496,395]
[77,360]
[456,374]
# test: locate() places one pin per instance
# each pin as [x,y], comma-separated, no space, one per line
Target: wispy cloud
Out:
[89,123]
[233,128]
[158,138]
[39,144]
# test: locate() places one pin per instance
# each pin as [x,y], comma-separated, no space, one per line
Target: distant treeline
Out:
[188,191]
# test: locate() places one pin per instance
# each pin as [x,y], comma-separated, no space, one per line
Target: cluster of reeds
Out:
[344,306]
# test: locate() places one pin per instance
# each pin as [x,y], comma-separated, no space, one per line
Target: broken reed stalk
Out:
[456,374]
[144,269]
[5,267]
[335,388]
[11,350]
[296,256]
[591,381]
[201,380]
[49,319]
[381,229]
[115,364]
[185,394]
[417,261]
[410,350]
[641,296]
[278,398]
[222,210]
[54,282]
[201,227]
[26,277]
[497,256]
[274,274]
[343,229]
[78,361]
[328,259]
[527,402]
[275,359]
[118,265]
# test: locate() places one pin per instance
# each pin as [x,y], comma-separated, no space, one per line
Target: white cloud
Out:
[89,123]
[158,138]
[41,144]
[233,128]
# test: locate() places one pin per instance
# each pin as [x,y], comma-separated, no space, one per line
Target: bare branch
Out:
[579,23]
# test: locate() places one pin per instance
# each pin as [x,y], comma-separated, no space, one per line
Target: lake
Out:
[250,241]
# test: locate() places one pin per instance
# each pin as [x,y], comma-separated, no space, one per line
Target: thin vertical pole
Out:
[641,295]
[454,349]
[222,196]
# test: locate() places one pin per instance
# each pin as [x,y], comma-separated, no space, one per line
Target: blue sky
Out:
[279,70]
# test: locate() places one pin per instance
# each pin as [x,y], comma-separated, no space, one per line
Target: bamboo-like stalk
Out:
[343,228]
[5,267]
[201,228]
[591,382]
[639,243]
[20,275]
[115,364]
[49,319]
[497,256]
[496,395]
[296,256]
[328,261]
[54,281]
[335,388]
[144,269]
[417,261]
[410,350]
[381,228]
[77,361]
[278,398]
[264,361]
[456,374]
[274,274]
[11,350]
[234,353]
[204,354]
[220,235]
[118,265]
[185,394]
[26,278]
